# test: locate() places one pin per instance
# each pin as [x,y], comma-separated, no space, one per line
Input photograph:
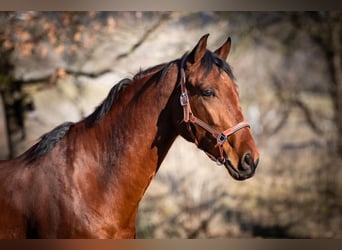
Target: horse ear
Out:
[198,51]
[223,51]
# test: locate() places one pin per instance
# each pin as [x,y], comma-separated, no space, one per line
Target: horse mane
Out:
[49,140]
[107,103]
[150,70]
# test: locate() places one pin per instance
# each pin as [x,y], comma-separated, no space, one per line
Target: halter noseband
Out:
[189,117]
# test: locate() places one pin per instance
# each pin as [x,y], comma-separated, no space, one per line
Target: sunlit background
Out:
[58,66]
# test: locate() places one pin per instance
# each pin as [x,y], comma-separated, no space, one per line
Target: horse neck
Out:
[143,124]
[133,138]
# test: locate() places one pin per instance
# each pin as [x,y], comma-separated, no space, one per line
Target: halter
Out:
[189,117]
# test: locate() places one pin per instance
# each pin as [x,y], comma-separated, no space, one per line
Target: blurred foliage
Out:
[66,32]
[294,94]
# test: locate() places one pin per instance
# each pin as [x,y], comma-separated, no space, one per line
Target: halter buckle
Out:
[221,138]
[219,162]
[184,99]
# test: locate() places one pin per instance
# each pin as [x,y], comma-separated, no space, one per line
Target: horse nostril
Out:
[247,163]
[248,159]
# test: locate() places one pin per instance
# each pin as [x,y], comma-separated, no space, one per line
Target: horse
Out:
[86,179]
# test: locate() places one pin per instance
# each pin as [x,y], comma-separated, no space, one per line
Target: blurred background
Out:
[58,66]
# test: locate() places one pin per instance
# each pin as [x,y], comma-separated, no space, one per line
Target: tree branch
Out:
[144,37]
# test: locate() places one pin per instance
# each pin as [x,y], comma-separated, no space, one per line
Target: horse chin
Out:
[237,174]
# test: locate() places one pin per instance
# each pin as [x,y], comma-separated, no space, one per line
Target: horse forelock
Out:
[210,59]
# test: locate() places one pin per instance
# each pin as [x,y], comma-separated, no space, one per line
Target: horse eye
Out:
[208,92]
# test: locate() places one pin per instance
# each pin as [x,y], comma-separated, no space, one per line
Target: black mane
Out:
[147,71]
[210,59]
[107,103]
[49,140]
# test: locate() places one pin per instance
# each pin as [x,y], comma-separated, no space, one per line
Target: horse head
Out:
[212,116]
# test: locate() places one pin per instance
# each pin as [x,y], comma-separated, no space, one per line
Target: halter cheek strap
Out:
[189,117]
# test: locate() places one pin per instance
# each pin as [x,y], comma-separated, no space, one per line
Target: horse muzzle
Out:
[246,167]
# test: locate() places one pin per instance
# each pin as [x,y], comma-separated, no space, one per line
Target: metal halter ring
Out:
[221,138]
[218,162]
[184,99]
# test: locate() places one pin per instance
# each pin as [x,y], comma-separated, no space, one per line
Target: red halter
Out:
[188,117]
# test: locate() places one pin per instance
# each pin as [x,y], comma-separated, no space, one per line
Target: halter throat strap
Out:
[189,117]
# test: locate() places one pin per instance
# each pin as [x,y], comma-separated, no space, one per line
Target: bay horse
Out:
[86,179]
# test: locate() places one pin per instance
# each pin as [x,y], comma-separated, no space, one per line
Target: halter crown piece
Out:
[189,117]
